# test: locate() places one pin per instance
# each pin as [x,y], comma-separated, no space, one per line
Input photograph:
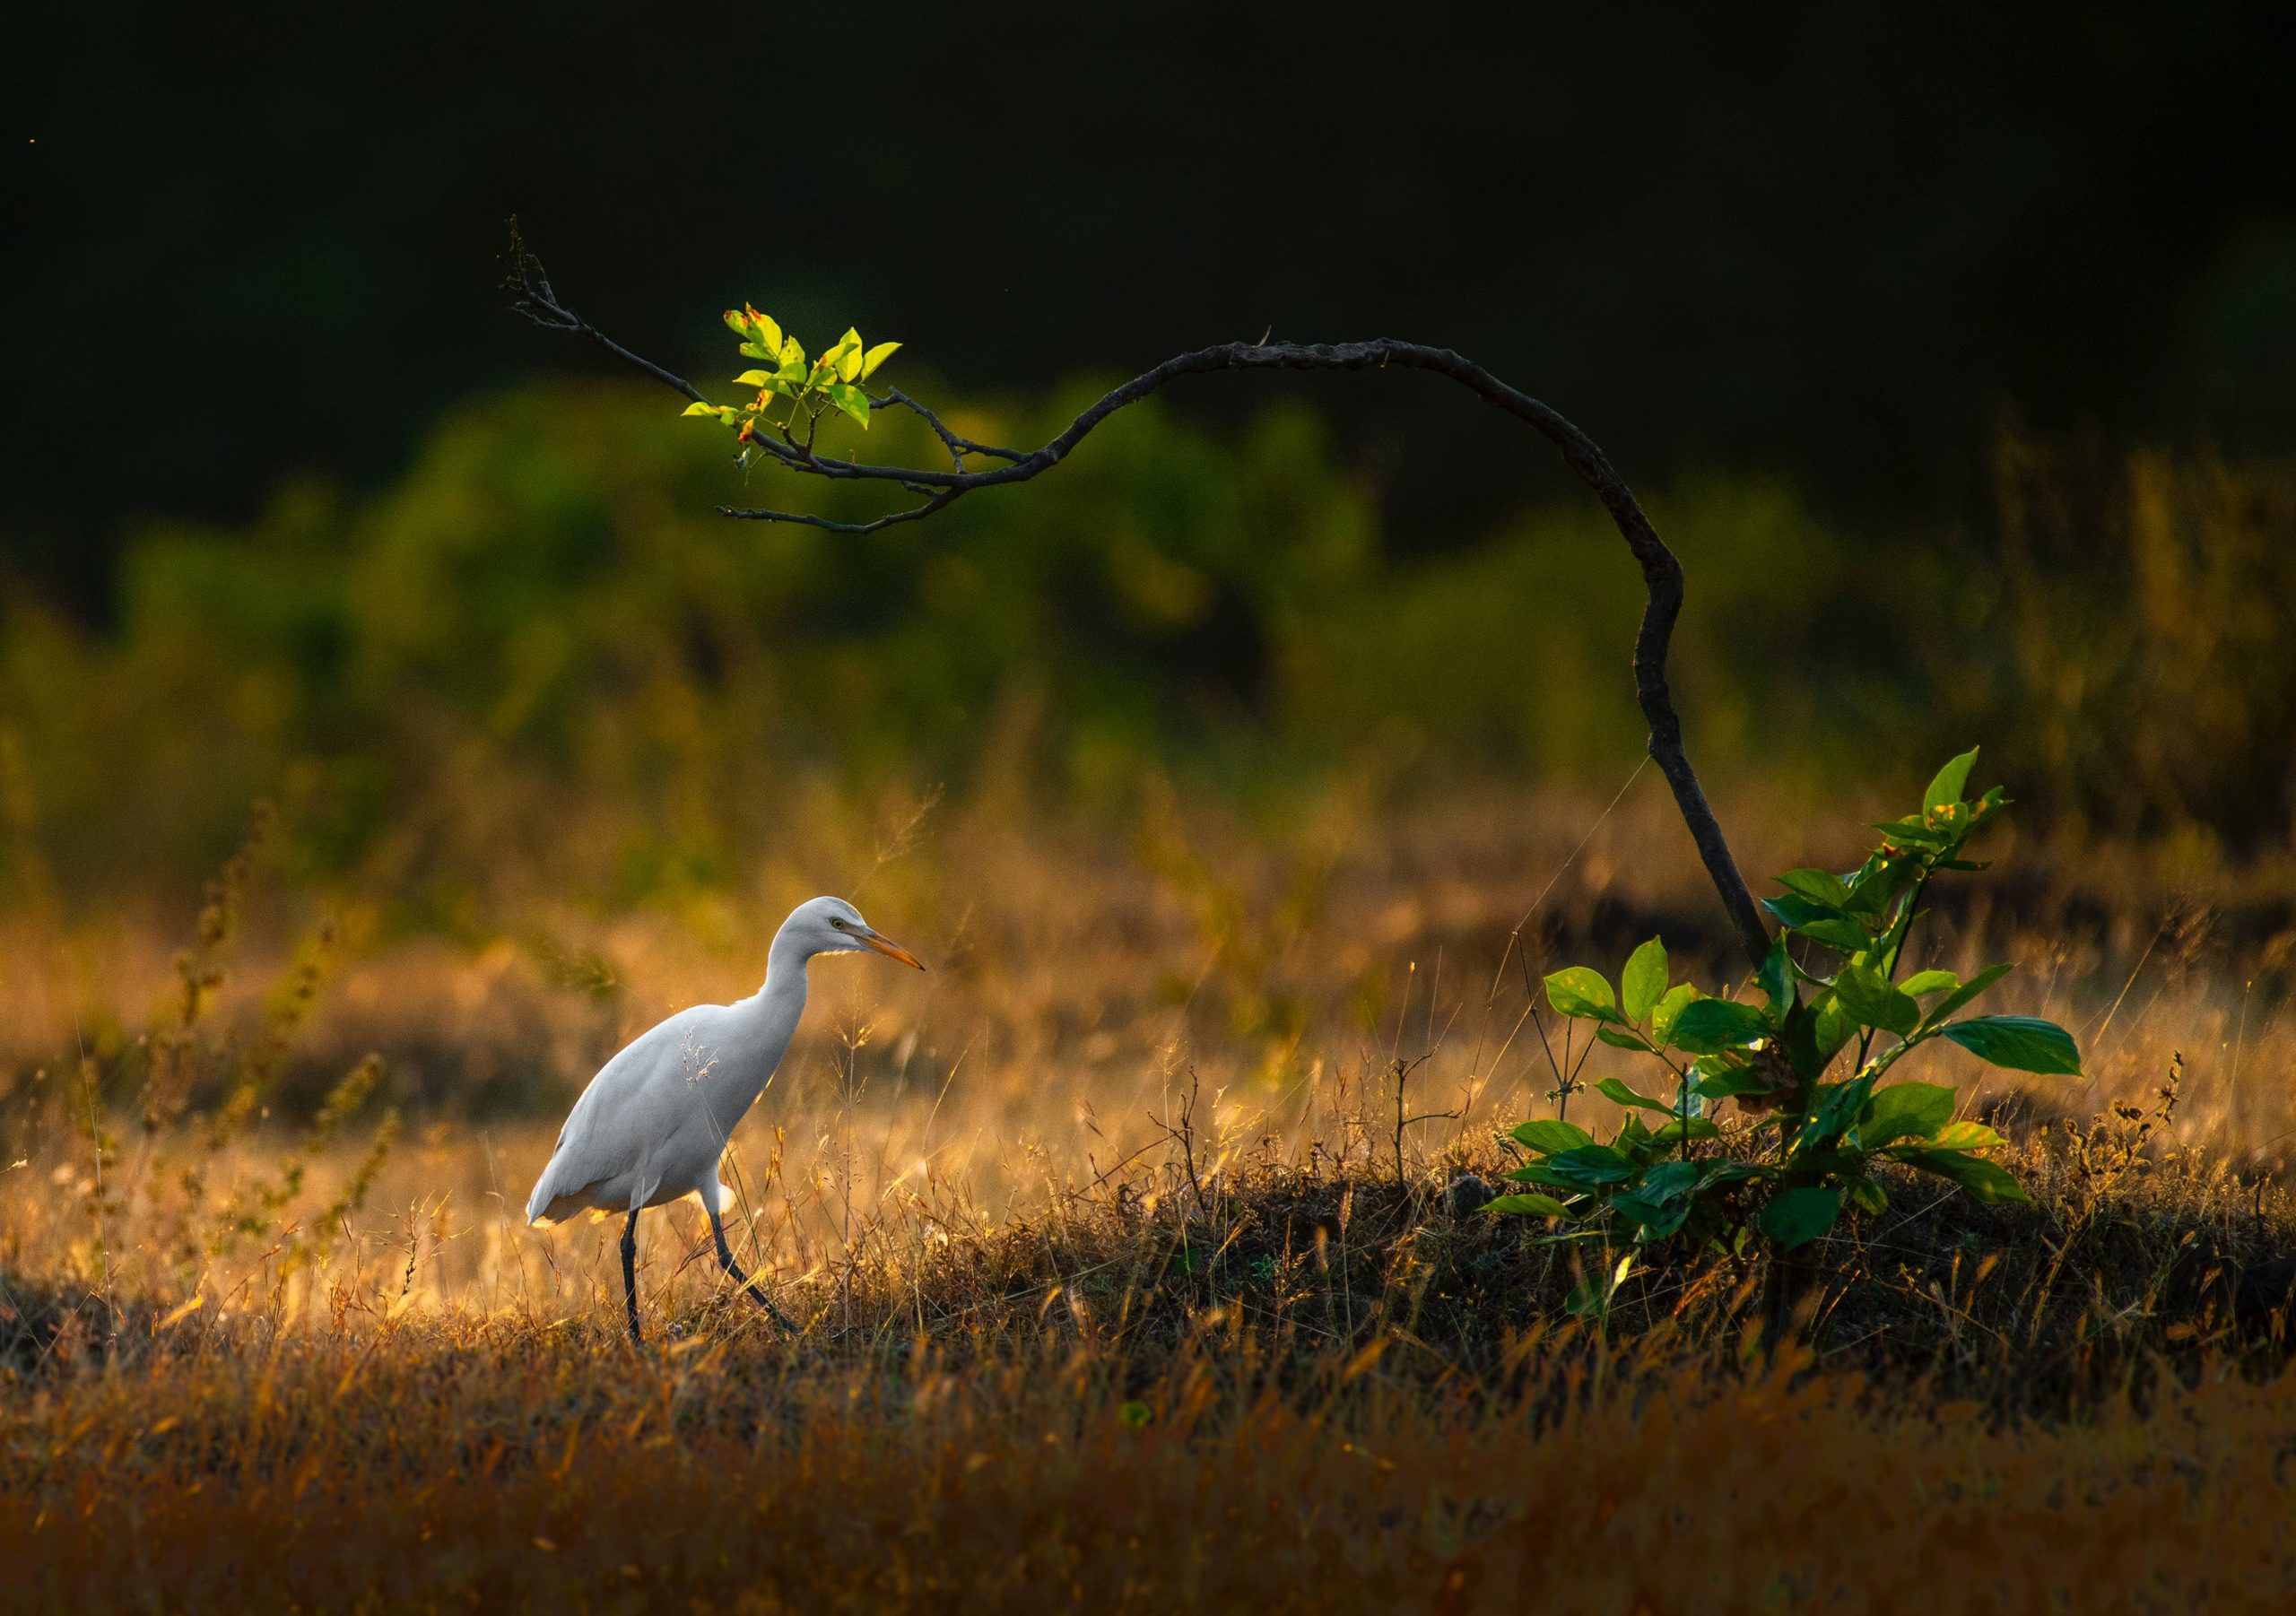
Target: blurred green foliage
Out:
[540,643]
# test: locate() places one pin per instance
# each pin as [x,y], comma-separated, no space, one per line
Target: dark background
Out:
[249,242]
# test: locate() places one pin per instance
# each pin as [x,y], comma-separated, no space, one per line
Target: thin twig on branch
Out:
[1662,575]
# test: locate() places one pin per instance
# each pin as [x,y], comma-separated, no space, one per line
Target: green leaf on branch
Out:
[1653,1220]
[1611,1088]
[1863,993]
[1947,788]
[1669,1011]
[1911,832]
[1581,994]
[1709,1026]
[1527,1206]
[1819,922]
[1967,991]
[1777,979]
[1591,1166]
[1831,1025]
[1985,1180]
[1818,886]
[1836,1107]
[876,356]
[1798,1216]
[1699,1127]
[1925,982]
[850,399]
[2020,1043]
[1964,1136]
[1877,885]
[1904,1111]
[1643,983]
[1717,1081]
[1549,1136]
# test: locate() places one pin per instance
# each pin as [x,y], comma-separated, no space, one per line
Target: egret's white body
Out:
[652,1126]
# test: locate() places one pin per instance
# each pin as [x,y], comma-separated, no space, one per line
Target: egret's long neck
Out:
[767,1022]
[785,970]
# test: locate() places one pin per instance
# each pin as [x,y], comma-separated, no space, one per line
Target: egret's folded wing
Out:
[608,1134]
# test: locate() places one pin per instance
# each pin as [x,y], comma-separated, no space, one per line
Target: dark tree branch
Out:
[1662,574]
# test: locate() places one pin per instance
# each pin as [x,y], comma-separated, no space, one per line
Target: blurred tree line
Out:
[539,652]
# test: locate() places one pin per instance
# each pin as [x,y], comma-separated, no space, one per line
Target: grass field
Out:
[1116,1281]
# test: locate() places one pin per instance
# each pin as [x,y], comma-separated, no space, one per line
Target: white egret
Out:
[653,1124]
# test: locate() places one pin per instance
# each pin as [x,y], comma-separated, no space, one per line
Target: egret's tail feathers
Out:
[551,1202]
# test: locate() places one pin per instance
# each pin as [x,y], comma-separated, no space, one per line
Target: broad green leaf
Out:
[1878,885]
[1818,886]
[1654,1220]
[1946,789]
[1964,1135]
[1923,982]
[1832,1025]
[877,356]
[1967,991]
[1669,1009]
[1987,1181]
[1860,990]
[1798,1216]
[1591,1165]
[1611,1088]
[1821,923]
[850,399]
[1837,1106]
[1583,993]
[1709,1026]
[846,355]
[1623,1041]
[1777,979]
[1527,1206]
[1866,1195]
[1633,1140]
[1716,1082]
[1546,1135]
[2020,1043]
[1643,983]
[716,411]
[1701,1127]
[1668,1180]
[1913,832]
[1904,1111]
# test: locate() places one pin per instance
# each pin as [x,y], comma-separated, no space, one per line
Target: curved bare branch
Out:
[1662,573]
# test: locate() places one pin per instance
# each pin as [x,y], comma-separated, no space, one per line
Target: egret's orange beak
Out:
[892,950]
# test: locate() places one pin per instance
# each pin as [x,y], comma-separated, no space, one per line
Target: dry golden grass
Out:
[1113,1288]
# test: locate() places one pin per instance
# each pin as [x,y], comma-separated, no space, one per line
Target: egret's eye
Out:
[839,924]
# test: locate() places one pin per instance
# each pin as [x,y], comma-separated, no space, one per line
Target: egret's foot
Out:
[771,1312]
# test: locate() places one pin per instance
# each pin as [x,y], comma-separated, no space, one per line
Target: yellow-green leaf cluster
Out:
[790,389]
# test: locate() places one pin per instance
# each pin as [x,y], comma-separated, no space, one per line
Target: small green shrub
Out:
[1772,1054]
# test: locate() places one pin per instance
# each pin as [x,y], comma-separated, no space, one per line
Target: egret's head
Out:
[830,926]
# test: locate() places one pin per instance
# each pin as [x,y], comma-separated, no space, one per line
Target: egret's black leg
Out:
[630,1274]
[749,1286]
